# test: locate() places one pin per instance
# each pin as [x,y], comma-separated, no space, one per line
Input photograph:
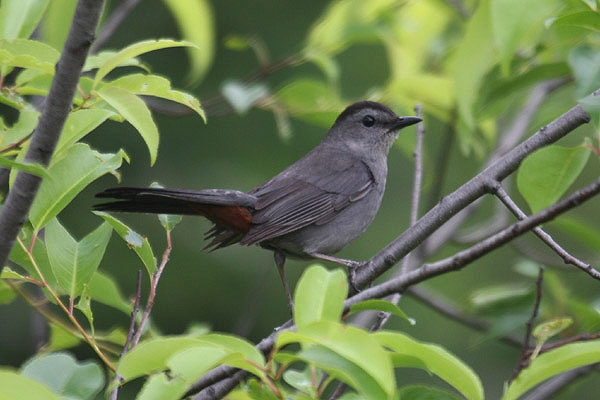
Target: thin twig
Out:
[546,238]
[152,294]
[525,355]
[136,308]
[112,23]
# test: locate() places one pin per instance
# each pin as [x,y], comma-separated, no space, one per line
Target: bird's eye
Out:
[368,121]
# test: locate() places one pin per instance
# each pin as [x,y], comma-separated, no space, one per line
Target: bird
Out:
[310,210]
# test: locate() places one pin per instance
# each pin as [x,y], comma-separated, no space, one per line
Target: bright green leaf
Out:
[546,174]
[154,85]
[19,256]
[341,368]
[185,367]
[591,104]
[349,343]
[70,175]
[437,361]
[319,296]
[28,119]
[553,363]
[135,50]
[33,169]
[513,20]
[196,23]
[95,61]
[15,386]
[56,23]
[65,375]
[27,54]
[79,123]
[473,58]
[581,19]
[134,110]
[19,18]
[250,359]
[381,305]
[134,241]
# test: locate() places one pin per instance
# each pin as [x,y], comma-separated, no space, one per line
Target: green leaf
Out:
[381,305]
[62,373]
[79,123]
[243,96]
[74,263]
[581,19]
[546,174]
[104,289]
[28,119]
[473,58]
[27,54]
[303,380]
[8,273]
[341,368]
[57,21]
[154,85]
[134,110]
[95,61]
[249,358]
[348,343]
[415,392]
[85,306]
[184,367]
[18,18]
[135,50]
[436,360]
[68,176]
[585,63]
[6,293]
[33,169]
[514,20]
[15,386]
[591,104]
[553,363]
[546,330]
[60,338]
[312,100]
[319,296]
[195,20]
[346,22]
[134,241]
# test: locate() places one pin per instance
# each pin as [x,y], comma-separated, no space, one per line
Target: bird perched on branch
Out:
[312,209]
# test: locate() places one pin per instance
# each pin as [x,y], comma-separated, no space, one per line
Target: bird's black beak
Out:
[403,122]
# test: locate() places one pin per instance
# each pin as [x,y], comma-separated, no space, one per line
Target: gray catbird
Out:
[312,209]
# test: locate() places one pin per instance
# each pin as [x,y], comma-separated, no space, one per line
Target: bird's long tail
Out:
[230,209]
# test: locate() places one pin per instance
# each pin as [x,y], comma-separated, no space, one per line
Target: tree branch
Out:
[56,108]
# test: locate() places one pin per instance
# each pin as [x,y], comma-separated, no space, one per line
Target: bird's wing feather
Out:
[289,202]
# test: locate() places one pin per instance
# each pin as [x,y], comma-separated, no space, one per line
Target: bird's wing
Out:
[308,193]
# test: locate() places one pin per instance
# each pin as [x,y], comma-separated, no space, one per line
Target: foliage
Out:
[468,71]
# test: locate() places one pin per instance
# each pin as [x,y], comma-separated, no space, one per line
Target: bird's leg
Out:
[279,262]
[351,264]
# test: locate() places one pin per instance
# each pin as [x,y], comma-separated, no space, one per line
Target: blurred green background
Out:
[237,289]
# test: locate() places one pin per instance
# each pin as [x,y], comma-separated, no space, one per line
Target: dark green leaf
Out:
[425,393]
